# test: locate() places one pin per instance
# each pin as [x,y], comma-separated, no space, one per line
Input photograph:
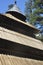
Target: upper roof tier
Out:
[15,11]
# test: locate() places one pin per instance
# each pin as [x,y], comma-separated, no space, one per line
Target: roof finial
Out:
[15,2]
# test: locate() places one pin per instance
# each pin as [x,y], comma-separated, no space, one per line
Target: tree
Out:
[34,14]
[39,35]
[37,11]
[34,11]
[37,17]
[28,9]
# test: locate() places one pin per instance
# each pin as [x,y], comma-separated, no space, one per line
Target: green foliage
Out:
[41,22]
[37,2]
[32,19]
[28,9]
[38,11]
[33,11]
[33,16]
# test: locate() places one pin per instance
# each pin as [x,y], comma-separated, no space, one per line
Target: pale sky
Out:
[4,5]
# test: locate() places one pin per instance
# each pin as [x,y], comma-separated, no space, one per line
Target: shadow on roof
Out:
[16,49]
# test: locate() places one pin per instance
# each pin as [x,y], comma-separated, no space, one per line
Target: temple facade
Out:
[18,45]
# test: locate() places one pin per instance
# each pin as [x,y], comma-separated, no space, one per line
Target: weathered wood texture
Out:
[14,18]
[9,17]
[20,38]
[13,60]
[15,47]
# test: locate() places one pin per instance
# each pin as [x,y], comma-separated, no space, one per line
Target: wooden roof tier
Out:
[18,45]
[17,48]
[11,17]
[20,38]
[13,60]
[15,11]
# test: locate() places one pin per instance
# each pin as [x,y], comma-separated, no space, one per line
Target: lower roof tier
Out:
[12,23]
[20,38]
[14,60]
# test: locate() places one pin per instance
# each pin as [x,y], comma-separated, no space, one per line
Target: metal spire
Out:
[15,9]
[15,2]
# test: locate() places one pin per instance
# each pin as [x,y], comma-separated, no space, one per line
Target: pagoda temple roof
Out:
[14,8]
[14,60]
[20,21]
[15,11]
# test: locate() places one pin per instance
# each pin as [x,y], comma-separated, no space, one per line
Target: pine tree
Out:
[37,17]
[37,14]
[34,14]
[28,9]
[34,11]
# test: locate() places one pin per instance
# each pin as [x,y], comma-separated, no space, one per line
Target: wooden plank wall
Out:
[13,60]
[20,38]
